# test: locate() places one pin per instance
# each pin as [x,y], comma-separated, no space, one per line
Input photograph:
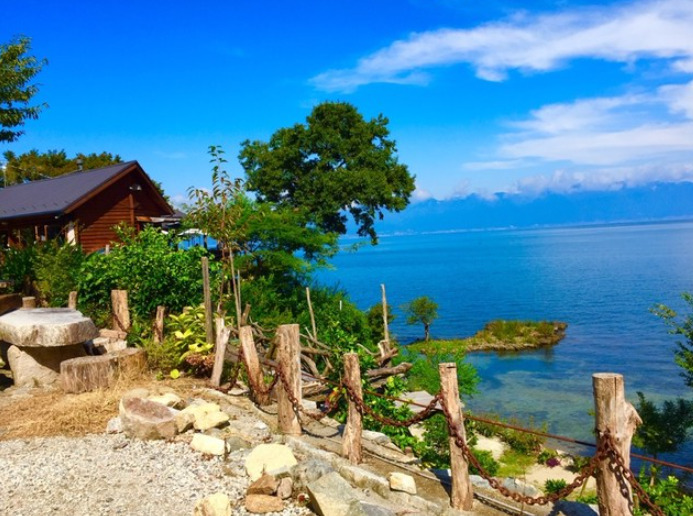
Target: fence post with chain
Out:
[351,440]
[461,496]
[289,354]
[72,300]
[616,420]
[252,364]
[121,312]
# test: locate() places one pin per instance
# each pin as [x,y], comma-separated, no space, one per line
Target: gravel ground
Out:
[106,474]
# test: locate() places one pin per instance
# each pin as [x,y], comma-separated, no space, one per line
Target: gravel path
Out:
[106,474]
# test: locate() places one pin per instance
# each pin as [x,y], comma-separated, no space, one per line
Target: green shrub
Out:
[57,269]
[17,266]
[486,461]
[667,494]
[518,441]
[553,486]
[546,454]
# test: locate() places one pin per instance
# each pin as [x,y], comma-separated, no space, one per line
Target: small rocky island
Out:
[501,335]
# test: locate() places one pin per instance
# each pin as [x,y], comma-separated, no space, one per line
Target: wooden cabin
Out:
[83,207]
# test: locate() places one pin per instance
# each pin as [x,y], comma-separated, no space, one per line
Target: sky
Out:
[481,97]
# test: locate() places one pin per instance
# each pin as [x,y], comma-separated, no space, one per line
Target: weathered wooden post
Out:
[121,312]
[72,300]
[289,355]
[461,497]
[312,314]
[159,324]
[252,363]
[28,302]
[223,334]
[351,440]
[209,328]
[386,328]
[615,414]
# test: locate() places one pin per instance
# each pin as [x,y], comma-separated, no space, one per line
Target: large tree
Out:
[422,310]
[34,165]
[17,69]
[336,163]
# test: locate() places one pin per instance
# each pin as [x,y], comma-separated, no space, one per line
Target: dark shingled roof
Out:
[53,196]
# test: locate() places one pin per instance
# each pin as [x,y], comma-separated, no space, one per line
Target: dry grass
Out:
[51,412]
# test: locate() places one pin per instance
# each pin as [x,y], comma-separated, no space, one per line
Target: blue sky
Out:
[482,97]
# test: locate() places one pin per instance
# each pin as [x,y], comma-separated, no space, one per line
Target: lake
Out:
[601,280]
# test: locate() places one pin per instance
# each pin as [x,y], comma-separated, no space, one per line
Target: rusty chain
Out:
[262,390]
[298,408]
[365,409]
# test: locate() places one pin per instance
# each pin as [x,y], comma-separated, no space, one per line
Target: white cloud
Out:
[420,194]
[496,165]
[624,34]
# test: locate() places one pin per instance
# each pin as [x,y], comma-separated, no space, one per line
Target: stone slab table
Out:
[38,339]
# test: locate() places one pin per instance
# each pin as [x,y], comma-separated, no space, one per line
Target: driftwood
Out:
[402,368]
[89,373]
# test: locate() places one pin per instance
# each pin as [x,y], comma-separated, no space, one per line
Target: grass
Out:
[515,464]
[500,335]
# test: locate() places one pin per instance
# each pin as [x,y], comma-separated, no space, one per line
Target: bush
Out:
[553,486]
[518,441]
[667,494]
[150,267]
[17,266]
[57,270]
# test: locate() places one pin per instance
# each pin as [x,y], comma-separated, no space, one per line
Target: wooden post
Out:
[386,328]
[461,497]
[223,334]
[289,354]
[614,413]
[312,314]
[209,328]
[255,376]
[159,324]
[72,300]
[121,312]
[351,440]
[28,302]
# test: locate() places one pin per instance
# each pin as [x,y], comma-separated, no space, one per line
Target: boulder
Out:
[308,471]
[360,508]
[217,504]
[144,419]
[38,367]
[275,459]
[517,486]
[208,445]
[265,485]
[169,399]
[402,482]
[331,495]
[206,416]
[261,504]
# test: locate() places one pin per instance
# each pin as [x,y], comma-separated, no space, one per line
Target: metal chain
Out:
[263,389]
[298,408]
[618,466]
[365,409]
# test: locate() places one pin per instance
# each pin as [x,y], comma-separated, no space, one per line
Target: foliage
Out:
[17,69]
[422,310]
[17,266]
[554,485]
[663,430]
[546,455]
[589,499]
[375,321]
[515,463]
[683,328]
[521,442]
[667,494]
[150,267]
[34,165]
[424,373]
[337,162]
[57,270]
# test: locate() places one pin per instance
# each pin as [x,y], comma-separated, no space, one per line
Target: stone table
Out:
[38,339]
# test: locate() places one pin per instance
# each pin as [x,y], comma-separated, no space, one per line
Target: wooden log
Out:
[289,353]
[28,302]
[89,373]
[159,324]
[222,339]
[386,327]
[113,334]
[614,413]
[388,371]
[245,315]
[461,497]
[72,300]
[209,327]
[121,312]
[351,440]
[10,302]
[252,363]
[312,314]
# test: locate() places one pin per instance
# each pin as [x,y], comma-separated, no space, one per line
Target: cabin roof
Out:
[59,195]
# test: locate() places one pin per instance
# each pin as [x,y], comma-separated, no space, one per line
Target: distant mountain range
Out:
[653,202]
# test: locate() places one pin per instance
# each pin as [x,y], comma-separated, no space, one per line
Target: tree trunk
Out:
[427,333]
[89,373]
[351,440]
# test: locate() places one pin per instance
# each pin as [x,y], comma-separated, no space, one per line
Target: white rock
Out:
[145,419]
[114,426]
[217,504]
[208,444]
[274,459]
[184,421]
[169,399]
[207,415]
[402,482]
[376,437]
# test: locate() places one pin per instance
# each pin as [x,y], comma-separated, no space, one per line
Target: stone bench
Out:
[38,340]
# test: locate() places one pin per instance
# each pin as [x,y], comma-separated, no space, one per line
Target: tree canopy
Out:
[17,69]
[34,165]
[336,163]
[422,310]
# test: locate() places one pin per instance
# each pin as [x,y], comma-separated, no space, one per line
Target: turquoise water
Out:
[600,280]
